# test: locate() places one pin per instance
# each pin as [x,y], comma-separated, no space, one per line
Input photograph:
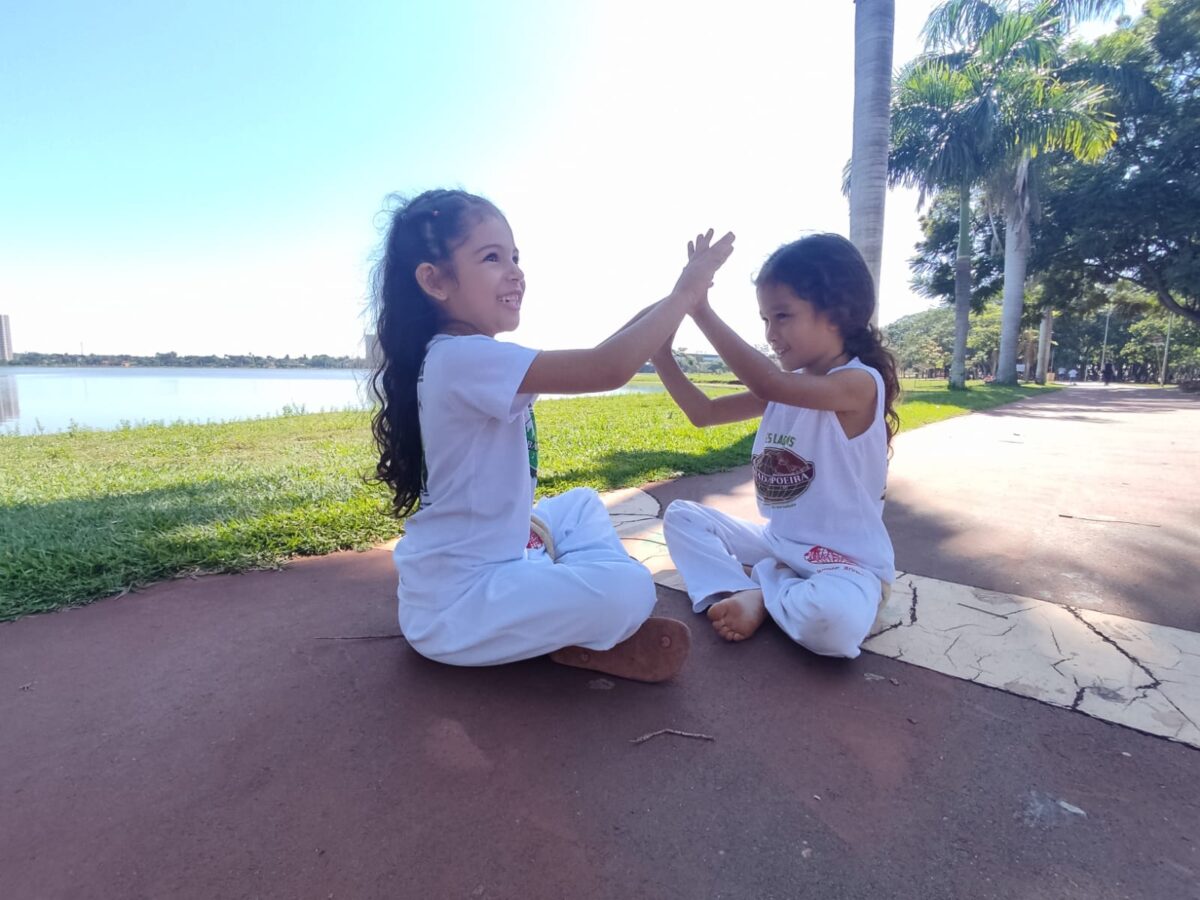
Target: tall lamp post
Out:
[1162,375]
[1104,349]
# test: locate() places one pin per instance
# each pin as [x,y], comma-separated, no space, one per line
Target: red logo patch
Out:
[823,556]
[780,476]
[535,541]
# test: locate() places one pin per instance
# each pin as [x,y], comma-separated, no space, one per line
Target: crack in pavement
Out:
[946,652]
[1178,710]
[986,612]
[1104,637]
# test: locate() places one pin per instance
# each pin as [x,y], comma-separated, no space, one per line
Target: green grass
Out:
[89,514]
[698,377]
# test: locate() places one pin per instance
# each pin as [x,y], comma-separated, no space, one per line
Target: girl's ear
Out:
[429,277]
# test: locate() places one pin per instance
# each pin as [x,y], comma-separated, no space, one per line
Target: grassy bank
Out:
[93,513]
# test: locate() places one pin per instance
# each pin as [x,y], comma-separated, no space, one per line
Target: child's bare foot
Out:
[655,652]
[738,616]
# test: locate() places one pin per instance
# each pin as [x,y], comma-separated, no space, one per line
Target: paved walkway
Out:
[269,734]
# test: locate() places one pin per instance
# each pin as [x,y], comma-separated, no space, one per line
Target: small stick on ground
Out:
[363,637]
[1108,519]
[686,734]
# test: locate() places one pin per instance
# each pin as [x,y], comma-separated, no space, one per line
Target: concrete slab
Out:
[1067,657]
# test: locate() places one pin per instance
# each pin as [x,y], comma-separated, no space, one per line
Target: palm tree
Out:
[942,140]
[874,24]
[1033,110]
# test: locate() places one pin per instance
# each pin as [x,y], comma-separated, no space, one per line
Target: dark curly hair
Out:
[828,271]
[425,229]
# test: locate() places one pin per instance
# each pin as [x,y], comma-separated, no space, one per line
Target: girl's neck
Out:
[458,328]
[826,364]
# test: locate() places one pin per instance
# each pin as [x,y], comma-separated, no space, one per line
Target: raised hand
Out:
[704,258]
[702,303]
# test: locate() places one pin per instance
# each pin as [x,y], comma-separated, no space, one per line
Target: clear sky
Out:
[207,177]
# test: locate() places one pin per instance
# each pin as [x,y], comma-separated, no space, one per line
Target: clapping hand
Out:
[704,258]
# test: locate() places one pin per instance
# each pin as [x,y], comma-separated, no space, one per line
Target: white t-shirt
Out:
[816,486]
[480,444]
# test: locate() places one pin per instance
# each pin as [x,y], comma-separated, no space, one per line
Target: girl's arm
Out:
[613,362]
[844,391]
[701,409]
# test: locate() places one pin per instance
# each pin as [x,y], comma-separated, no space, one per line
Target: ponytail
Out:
[867,344]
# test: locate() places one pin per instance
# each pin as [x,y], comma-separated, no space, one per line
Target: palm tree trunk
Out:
[1016,257]
[874,22]
[962,291]
[1045,334]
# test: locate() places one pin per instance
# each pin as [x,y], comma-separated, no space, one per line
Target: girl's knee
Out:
[834,637]
[831,623]
[628,597]
[681,513]
[580,502]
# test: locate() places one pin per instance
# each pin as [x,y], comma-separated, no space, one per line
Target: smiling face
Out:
[801,335]
[482,294]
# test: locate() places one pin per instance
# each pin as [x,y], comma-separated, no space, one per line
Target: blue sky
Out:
[207,177]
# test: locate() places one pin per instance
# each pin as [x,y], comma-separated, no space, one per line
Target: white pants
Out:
[826,608]
[594,595]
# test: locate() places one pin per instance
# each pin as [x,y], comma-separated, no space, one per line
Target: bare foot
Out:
[738,616]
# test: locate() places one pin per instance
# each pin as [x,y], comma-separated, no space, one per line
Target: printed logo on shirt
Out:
[823,556]
[531,439]
[780,476]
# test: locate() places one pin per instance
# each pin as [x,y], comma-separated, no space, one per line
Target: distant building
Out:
[10,403]
[373,351]
[5,339]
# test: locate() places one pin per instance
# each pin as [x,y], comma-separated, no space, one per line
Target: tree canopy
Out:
[1135,215]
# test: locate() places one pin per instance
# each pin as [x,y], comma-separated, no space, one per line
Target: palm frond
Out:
[1018,38]
[1072,12]
[958,23]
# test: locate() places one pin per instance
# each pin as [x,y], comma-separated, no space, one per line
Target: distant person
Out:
[1072,375]
[1108,373]
[485,576]
[1061,372]
[822,564]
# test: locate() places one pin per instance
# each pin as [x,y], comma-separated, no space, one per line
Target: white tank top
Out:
[816,486]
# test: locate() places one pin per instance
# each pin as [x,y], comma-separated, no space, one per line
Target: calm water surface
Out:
[45,399]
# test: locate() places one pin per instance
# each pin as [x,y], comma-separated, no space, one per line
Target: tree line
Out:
[1131,335]
[175,360]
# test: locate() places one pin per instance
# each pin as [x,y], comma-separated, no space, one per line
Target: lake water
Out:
[47,399]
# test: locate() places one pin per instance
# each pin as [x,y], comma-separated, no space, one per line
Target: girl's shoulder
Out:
[453,350]
[450,344]
[475,371]
[857,365]
[456,343]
